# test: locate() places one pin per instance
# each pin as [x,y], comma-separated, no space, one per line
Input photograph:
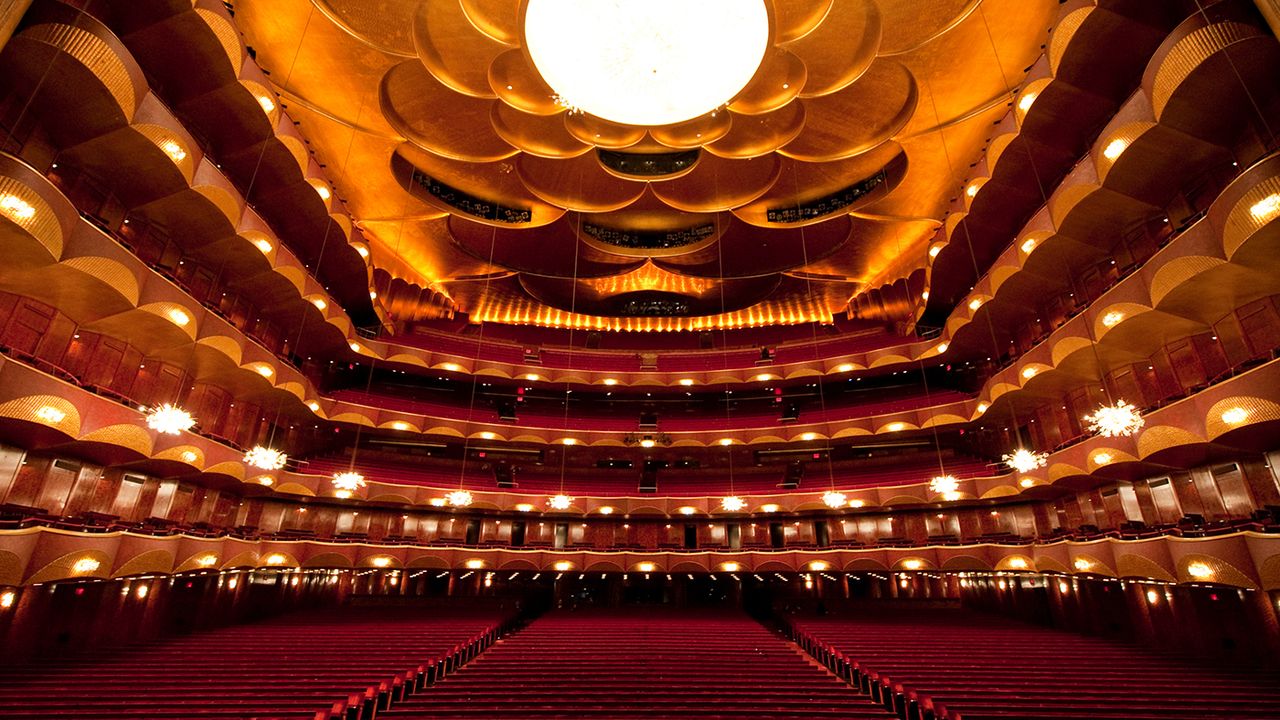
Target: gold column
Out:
[1271,11]
[11,11]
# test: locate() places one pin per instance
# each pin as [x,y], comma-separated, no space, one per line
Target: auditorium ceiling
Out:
[825,174]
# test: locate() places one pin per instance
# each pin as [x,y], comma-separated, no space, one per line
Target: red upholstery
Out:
[980,667]
[641,663]
[292,667]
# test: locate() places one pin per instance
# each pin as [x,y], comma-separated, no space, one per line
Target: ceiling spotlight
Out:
[1114,148]
[268,105]
[319,303]
[895,426]
[646,567]
[264,245]
[1028,245]
[1266,208]
[474,564]
[974,304]
[1235,416]
[857,503]
[1025,103]
[610,381]
[808,436]
[769,508]
[819,565]
[563,566]
[605,510]
[726,441]
[524,507]
[687,382]
[687,510]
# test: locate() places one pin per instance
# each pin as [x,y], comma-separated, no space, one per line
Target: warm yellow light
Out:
[7,599]
[1082,565]
[1265,209]
[560,502]
[808,436]
[1102,458]
[1029,372]
[857,503]
[231,584]
[1027,482]
[912,564]
[646,567]
[189,456]
[1026,101]
[933,251]
[647,443]
[972,189]
[437,502]
[1018,563]
[563,566]
[459,498]
[1114,148]
[268,105]
[206,560]
[142,591]
[924,295]
[819,565]
[1200,570]
[944,485]
[320,303]
[265,458]
[265,371]
[348,482]
[975,303]
[276,559]
[610,381]
[364,251]
[763,377]
[895,426]
[15,208]
[1153,597]
[266,481]
[355,347]
[1063,588]
[834,499]
[652,63]
[942,348]
[730,566]
[85,565]
[532,377]
[982,407]
[173,150]
[264,245]
[769,508]
[1235,416]
[1112,318]
[399,425]
[687,382]
[451,367]
[343,494]
[323,191]
[373,294]
[474,564]
[844,367]
[605,510]
[50,414]
[569,441]
[687,510]
[524,507]
[313,405]
[726,441]
[1028,245]
[381,561]
[732,503]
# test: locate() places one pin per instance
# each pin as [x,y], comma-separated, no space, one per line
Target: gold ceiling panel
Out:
[453,49]
[755,135]
[839,50]
[847,89]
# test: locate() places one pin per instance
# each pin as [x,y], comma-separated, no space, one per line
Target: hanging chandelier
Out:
[946,486]
[834,499]
[265,458]
[559,502]
[732,503]
[647,440]
[1024,460]
[348,481]
[459,498]
[1117,420]
[169,419]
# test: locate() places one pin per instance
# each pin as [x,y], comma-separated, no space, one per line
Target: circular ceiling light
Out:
[646,62]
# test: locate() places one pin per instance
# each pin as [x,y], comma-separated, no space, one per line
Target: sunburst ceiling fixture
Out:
[559,502]
[1024,460]
[650,63]
[265,458]
[169,419]
[459,498]
[348,481]
[733,503]
[1118,420]
[834,499]
[946,486]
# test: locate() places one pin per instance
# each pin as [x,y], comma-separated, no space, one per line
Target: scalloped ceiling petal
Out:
[541,135]
[453,49]
[796,18]
[841,49]
[695,132]
[579,183]
[517,83]
[879,105]
[495,182]
[906,27]
[717,183]
[499,19]
[756,135]
[778,81]
[605,134]
[386,26]
[434,117]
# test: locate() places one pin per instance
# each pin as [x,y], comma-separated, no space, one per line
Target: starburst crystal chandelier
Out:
[169,419]
[946,486]
[732,503]
[834,499]
[265,458]
[1024,460]
[1119,420]
[459,498]
[560,502]
[348,481]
